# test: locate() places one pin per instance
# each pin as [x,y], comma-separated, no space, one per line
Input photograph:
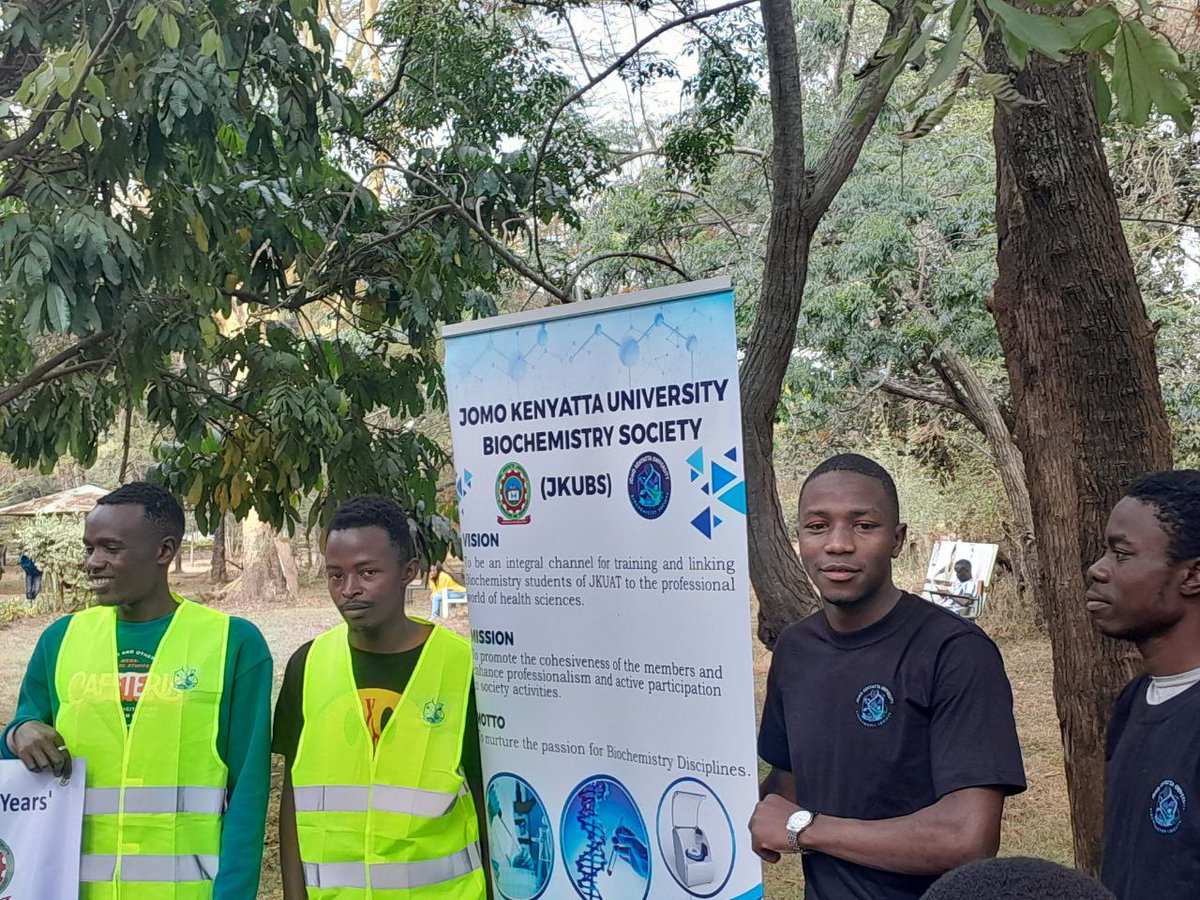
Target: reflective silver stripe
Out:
[413,802]
[388,798]
[335,875]
[148,867]
[393,876]
[184,799]
[402,876]
[97,867]
[331,798]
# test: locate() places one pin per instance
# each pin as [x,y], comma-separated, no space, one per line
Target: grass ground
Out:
[1035,823]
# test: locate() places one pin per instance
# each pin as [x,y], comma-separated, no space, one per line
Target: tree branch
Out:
[626,254]
[856,123]
[592,82]
[45,371]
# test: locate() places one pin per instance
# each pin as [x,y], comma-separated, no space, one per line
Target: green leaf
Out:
[59,309]
[95,86]
[1142,75]
[169,26]
[33,317]
[145,20]
[930,119]
[1045,34]
[1001,87]
[210,42]
[90,128]
[72,136]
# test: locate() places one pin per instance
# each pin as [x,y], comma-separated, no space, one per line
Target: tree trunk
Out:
[216,568]
[1080,356]
[799,198]
[263,577]
[974,394]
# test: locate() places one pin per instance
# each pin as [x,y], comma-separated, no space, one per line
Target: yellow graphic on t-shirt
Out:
[378,706]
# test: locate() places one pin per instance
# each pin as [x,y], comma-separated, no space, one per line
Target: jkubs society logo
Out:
[1168,803]
[434,712]
[512,494]
[7,866]
[649,485]
[186,679]
[874,705]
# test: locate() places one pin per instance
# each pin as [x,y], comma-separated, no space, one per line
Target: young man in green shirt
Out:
[130,540]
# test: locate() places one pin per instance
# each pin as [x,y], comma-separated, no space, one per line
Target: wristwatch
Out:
[796,824]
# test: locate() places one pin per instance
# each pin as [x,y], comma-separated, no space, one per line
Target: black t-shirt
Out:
[1152,796]
[381,679]
[884,721]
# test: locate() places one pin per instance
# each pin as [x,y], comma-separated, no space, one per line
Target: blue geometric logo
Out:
[875,704]
[1167,806]
[649,485]
[722,484]
[462,485]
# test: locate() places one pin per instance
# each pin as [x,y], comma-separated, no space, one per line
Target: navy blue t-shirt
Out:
[1152,796]
[883,722]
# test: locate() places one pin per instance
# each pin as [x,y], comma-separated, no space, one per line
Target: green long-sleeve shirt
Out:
[243,737]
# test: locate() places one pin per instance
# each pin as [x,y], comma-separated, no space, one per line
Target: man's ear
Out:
[411,569]
[167,549]
[1190,586]
[901,540]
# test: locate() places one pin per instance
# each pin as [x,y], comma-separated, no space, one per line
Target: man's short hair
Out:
[1175,495]
[159,506]
[377,511]
[1016,878]
[862,465]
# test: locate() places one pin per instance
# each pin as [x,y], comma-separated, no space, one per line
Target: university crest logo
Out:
[185,679]
[434,712]
[875,704]
[1168,803]
[513,494]
[7,866]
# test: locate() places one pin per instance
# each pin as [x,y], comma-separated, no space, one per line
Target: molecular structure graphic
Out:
[592,860]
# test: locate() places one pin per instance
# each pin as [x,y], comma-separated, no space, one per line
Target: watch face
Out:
[799,820]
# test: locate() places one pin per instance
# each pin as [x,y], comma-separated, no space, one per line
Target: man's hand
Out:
[41,748]
[768,827]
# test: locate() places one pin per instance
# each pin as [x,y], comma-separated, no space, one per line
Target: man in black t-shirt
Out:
[1146,589]
[888,721]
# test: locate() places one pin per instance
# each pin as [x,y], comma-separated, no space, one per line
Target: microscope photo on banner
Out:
[41,825]
[598,457]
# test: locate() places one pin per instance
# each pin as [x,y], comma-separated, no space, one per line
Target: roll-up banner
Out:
[598,455]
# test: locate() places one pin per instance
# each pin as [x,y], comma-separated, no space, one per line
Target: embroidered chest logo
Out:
[185,679]
[875,704]
[7,866]
[1168,803]
[434,712]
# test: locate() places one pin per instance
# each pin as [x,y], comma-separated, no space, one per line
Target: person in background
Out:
[888,722]
[33,577]
[170,703]
[376,722]
[443,588]
[1146,589]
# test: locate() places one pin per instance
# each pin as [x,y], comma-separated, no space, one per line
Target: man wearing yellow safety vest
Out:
[168,701]
[377,722]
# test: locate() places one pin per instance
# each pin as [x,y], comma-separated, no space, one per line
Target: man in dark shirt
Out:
[1146,589]
[888,721]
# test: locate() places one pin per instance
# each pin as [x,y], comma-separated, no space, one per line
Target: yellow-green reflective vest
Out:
[155,790]
[394,821]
